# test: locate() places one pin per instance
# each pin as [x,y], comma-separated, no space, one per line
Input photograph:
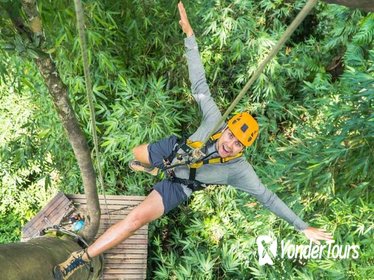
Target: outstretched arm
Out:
[244,178]
[199,86]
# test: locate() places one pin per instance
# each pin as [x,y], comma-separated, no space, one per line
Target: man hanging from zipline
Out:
[221,163]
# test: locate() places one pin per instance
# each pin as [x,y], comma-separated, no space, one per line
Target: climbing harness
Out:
[187,158]
[83,43]
[182,153]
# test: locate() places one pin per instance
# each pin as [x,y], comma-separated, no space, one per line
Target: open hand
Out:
[316,234]
[184,23]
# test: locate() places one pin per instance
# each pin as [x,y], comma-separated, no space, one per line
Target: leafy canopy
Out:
[314,103]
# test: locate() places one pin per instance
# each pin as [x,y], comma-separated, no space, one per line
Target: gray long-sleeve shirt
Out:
[238,172]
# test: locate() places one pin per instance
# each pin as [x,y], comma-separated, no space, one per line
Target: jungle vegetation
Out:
[314,104]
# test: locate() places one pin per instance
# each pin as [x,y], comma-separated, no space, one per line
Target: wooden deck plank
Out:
[129,265]
[130,251]
[111,197]
[124,271]
[51,217]
[121,256]
[51,214]
[143,230]
[138,266]
[138,238]
[47,210]
[130,259]
[59,201]
[127,248]
[105,225]
[127,277]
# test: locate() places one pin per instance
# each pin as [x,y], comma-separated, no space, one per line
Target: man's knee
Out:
[150,209]
[141,153]
[137,150]
[134,225]
[136,221]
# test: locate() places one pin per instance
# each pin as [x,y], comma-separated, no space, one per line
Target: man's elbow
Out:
[267,198]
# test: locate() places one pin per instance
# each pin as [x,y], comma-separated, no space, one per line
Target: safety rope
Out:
[83,43]
[289,31]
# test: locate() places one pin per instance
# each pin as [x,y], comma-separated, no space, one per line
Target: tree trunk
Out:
[36,258]
[77,139]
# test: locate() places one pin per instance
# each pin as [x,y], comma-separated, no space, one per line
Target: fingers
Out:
[316,234]
[183,22]
[315,241]
[323,234]
[182,11]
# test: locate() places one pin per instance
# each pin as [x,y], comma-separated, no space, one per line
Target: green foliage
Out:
[10,227]
[29,132]
[314,103]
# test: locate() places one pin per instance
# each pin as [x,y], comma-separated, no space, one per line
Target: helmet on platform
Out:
[244,127]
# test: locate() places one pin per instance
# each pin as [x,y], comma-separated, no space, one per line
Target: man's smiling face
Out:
[228,145]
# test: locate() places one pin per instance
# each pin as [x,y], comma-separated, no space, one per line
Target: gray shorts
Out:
[172,193]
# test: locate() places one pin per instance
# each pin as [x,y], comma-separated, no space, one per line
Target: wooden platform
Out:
[50,215]
[128,260]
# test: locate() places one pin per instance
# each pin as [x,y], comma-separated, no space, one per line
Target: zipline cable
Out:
[83,43]
[286,35]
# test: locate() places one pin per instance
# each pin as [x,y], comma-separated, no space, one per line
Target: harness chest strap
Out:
[188,146]
[215,160]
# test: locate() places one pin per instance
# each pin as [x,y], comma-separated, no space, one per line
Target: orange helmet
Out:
[244,127]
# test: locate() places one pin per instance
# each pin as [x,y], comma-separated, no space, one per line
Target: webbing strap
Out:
[188,146]
[193,185]
[215,160]
[192,174]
